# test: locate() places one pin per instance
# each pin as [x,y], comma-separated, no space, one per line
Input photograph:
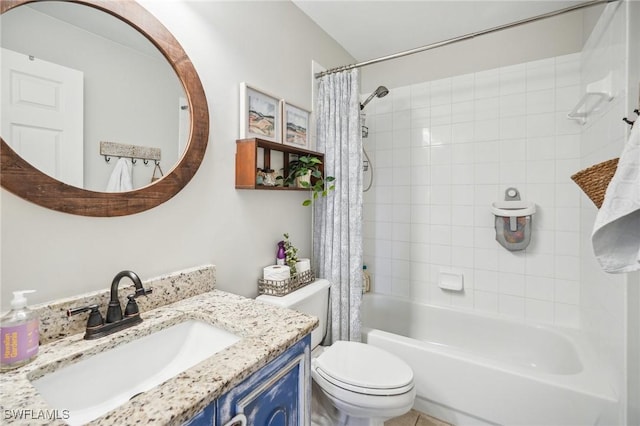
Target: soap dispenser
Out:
[281,254]
[19,333]
[513,219]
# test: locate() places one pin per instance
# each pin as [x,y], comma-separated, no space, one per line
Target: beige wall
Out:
[267,44]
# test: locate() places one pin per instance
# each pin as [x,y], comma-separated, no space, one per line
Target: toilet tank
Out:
[312,299]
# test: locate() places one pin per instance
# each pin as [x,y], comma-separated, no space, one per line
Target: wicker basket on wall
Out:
[595,179]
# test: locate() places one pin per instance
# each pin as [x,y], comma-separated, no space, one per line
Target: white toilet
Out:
[365,384]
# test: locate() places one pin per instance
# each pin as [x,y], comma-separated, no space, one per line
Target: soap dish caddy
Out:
[513,220]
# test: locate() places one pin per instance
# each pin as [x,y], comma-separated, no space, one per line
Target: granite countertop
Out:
[266,331]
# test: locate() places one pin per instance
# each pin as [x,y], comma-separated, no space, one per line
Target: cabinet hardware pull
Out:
[237,420]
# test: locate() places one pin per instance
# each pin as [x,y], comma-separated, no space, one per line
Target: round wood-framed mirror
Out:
[24,180]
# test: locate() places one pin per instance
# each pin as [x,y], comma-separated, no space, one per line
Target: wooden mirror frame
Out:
[26,181]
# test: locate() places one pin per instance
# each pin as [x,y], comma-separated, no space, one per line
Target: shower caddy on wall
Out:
[599,91]
[513,220]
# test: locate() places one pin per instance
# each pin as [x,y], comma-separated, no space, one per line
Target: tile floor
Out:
[416,418]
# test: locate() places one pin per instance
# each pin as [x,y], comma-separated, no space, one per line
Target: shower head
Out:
[380,92]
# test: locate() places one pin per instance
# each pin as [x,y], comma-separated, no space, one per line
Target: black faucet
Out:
[114,311]
[97,327]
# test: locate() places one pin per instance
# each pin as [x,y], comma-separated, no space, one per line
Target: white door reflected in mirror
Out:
[42,115]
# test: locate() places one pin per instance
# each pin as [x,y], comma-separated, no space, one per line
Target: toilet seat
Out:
[364,369]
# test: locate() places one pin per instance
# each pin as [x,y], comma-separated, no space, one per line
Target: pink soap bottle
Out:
[19,334]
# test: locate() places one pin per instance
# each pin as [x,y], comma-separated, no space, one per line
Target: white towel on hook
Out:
[120,180]
[616,232]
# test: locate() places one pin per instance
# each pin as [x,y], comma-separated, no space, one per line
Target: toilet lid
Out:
[364,368]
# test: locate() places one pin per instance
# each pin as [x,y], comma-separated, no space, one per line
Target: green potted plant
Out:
[305,172]
[291,254]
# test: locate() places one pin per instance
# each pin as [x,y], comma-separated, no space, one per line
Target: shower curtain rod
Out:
[462,38]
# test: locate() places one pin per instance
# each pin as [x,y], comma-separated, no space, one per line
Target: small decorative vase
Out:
[281,255]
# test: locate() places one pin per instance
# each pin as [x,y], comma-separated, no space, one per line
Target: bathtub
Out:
[473,369]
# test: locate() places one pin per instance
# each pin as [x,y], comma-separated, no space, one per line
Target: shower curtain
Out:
[337,233]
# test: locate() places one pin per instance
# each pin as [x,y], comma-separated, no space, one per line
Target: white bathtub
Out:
[472,369]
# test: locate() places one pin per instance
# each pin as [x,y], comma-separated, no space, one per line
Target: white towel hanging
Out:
[616,232]
[120,180]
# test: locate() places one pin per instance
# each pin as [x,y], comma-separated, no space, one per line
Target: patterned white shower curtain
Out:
[337,233]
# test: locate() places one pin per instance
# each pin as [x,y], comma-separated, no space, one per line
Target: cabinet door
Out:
[276,395]
[204,417]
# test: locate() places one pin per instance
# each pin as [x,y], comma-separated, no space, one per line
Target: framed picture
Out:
[259,114]
[295,125]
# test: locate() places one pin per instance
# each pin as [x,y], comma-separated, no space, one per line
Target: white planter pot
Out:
[306,178]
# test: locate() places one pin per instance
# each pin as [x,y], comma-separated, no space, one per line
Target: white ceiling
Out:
[372,29]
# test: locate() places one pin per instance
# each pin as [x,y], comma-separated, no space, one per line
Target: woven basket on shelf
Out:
[595,179]
[284,287]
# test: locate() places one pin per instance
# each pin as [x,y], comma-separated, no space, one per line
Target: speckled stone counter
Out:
[266,331]
[167,289]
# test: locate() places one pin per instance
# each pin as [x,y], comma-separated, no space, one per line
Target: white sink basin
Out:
[97,385]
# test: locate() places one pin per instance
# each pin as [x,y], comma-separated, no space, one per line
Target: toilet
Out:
[365,385]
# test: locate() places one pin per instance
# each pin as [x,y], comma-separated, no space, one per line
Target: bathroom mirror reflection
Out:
[23,179]
[78,76]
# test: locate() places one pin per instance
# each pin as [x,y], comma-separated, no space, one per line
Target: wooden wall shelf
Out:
[247,162]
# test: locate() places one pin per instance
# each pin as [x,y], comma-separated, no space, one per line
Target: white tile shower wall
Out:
[442,152]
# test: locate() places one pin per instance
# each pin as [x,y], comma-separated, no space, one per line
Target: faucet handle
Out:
[142,291]
[95,317]
[132,306]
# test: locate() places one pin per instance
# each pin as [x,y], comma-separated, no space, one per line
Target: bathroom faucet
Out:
[114,311]
[97,327]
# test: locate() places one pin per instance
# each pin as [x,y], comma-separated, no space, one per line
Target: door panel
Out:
[42,115]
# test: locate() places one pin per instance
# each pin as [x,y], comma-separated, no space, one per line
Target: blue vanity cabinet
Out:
[203,418]
[279,394]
